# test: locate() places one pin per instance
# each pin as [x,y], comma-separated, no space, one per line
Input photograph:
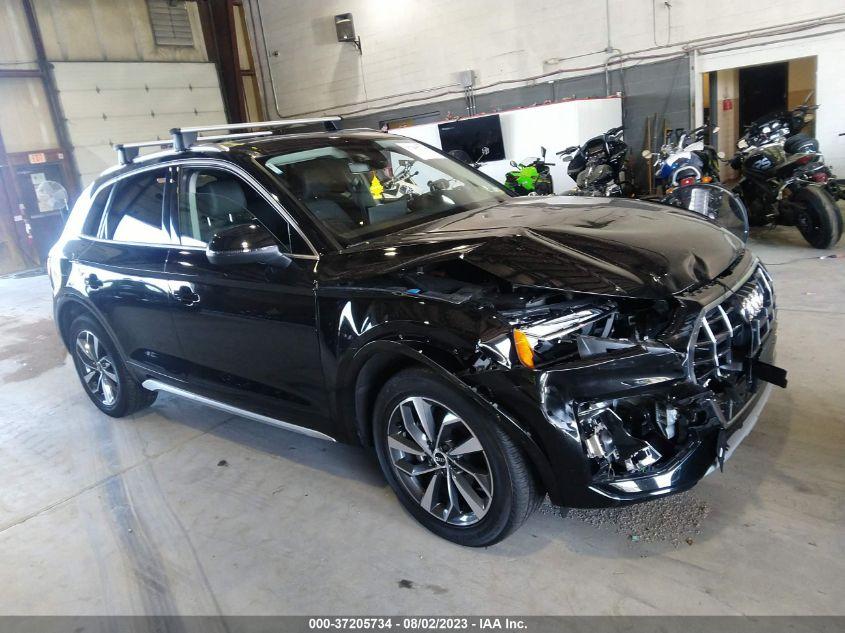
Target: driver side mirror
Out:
[646,154]
[244,244]
[485,150]
[542,152]
[513,164]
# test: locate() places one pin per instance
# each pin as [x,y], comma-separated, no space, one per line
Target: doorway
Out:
[762,91]
[738,96]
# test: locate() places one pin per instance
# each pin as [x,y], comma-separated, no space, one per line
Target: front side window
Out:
[215,199]
[360,187]
[135,213]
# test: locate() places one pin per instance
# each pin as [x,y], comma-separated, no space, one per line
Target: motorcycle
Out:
[784,179]
[598,165]
[462,156]
[530,177]
[685,159]
[401,184]
[785,128]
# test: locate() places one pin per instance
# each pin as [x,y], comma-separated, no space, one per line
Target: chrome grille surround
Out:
[723,329]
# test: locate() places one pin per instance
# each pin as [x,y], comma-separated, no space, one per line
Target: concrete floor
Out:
[136,516]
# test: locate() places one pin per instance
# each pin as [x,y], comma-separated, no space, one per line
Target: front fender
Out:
[384,357]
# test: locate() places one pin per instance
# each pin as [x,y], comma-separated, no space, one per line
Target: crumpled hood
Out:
[604,246]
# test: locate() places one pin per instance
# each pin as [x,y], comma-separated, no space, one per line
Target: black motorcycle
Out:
[597,166]
[784,179]
[785,128]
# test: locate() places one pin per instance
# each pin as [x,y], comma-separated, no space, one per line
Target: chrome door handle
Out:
[186,296]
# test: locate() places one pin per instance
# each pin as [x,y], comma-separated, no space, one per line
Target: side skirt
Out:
[157,385]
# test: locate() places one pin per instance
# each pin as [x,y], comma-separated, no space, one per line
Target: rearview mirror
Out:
[721,154]
[485,150]
[244,244]
[513,164]
[359,168]
[646,153]
[716,129]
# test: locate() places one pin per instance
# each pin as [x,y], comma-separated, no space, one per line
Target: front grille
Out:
[734,330]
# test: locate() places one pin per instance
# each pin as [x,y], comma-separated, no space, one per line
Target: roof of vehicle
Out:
[252,147]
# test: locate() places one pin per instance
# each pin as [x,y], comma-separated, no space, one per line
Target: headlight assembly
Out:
[533,340]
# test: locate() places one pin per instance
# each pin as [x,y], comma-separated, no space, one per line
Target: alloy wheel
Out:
[440,461]
[98,370]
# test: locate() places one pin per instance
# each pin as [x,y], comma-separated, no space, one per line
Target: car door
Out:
[248,331]
[122,267]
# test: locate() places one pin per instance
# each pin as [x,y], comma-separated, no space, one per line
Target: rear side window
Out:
[95,211]
[135,213]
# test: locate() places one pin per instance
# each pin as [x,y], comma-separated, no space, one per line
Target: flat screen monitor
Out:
[470,135]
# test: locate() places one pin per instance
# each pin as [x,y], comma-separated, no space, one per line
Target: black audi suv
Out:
[363,287]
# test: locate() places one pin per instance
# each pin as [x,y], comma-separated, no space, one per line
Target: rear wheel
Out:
[449,463]
[103,374]
[818,217]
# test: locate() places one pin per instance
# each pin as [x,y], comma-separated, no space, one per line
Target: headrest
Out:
[318,177]
[221,197]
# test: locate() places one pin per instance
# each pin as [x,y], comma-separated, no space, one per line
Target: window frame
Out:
[172,209]
[247,181]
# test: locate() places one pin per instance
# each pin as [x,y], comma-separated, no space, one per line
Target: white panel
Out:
[109,102]
[555,126]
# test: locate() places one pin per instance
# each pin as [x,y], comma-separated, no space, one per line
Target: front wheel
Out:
[817,217]
[449,463]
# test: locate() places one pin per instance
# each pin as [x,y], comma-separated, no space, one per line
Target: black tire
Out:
[819,219]
[129,396]
[515,490]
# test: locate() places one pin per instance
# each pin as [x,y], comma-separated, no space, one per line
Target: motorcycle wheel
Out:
[818,218]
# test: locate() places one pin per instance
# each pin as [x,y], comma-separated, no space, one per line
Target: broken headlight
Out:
[535,341]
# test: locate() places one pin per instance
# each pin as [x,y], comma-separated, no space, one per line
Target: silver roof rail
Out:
[184,137]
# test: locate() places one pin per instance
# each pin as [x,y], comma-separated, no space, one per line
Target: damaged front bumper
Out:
[697,460]
[626,425]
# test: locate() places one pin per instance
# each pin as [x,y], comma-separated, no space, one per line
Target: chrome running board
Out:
[156,385]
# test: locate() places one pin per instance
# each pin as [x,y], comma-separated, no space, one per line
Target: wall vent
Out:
[170,22]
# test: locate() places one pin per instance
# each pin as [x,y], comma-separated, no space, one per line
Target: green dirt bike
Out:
[530,177]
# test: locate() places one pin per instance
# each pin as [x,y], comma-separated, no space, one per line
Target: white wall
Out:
[410,45]
[555,126]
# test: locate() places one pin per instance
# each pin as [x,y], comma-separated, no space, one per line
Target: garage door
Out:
[106,103]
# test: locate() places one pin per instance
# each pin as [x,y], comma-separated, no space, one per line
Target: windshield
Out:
[360,188]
